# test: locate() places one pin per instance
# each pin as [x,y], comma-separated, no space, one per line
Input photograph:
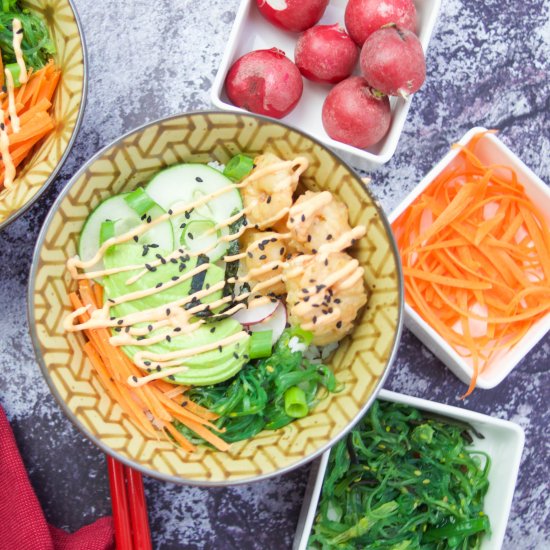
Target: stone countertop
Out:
[487,66]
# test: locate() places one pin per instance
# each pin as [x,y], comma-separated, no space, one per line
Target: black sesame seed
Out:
[170,212]
[320,287]
[136,238]
[303,217]
[175,278]
[235,355]
[147,363]
[134,378]
[168,312]
[127,330]
[263,257]
[200,180]
[220,348]
[245,222]
[337,300]
[275,268]
[261,246]
[119,322]
[148,370]
[118,329]
[306,298]
[112,318]
[171,377]
[158,368]
[153,245]
[314,251]
[326,261]
[158,285]
[143,217]
[339,324]
[149,219]
[182,267]
[212,330]
[268,199]
[305,290]
[173,260]
[111,300]
[207,286]
[281,250]
[20,31]
[182,226]
[184,403]
[314,319]
[168,339]
[291,220]
[150,328]
[139,338]
[187,215]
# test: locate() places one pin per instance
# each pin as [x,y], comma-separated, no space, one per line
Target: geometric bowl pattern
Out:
[68,104]
[360,363]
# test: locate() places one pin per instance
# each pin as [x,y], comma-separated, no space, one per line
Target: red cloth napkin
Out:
[22,523]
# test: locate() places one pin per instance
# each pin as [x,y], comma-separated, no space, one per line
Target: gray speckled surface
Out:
[487,65]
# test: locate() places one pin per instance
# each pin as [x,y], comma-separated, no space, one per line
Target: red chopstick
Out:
[129,507]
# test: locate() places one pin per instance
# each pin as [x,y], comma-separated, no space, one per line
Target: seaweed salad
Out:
[404,479]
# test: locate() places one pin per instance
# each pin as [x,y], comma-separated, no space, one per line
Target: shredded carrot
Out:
[487,249]
[33,103]
[153,407]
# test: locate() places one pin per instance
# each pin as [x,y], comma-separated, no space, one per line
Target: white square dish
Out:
[252,32]
[503,442]
[490,150]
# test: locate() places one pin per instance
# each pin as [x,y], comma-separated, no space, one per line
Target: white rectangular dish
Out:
[252,32]
[490,150]
[503,442]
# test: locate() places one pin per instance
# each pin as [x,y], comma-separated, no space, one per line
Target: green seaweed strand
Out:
[37,46]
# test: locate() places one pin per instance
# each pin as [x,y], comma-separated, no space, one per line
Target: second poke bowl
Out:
[215,298]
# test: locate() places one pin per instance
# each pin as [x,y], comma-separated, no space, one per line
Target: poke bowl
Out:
[294,379]
[46,90]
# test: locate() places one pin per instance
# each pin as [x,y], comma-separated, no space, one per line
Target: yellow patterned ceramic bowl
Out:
[39,170]
[360,363]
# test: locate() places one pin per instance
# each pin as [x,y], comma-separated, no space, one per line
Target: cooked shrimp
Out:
[269,191]
[265,253]
[316,219]
[325,293]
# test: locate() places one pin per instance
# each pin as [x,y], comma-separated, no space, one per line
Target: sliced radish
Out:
[255,314]
[275,322]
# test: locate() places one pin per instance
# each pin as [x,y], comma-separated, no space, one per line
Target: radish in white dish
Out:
[292,15]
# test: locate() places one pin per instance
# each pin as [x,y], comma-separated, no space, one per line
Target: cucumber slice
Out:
[124,218]
[184,184]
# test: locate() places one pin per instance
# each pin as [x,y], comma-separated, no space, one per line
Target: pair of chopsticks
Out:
[129,507]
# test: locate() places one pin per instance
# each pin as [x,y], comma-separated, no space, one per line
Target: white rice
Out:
[216,165]
[314,354]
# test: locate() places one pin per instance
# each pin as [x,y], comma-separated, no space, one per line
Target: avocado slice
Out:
[205,368]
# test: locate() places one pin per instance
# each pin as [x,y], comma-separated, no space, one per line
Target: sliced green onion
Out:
[238,167]
[15,71]
[139,201]
[296,402]
[106,231]
[304,335]
[260,344]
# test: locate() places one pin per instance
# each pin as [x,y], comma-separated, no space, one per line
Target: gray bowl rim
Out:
[134,464]
[14,215]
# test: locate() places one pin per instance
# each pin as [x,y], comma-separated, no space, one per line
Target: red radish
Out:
[355,114]
[264,82]
[255,314]
[392,61]
[326,53]
[363,17]
[292,15]
[275,322]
